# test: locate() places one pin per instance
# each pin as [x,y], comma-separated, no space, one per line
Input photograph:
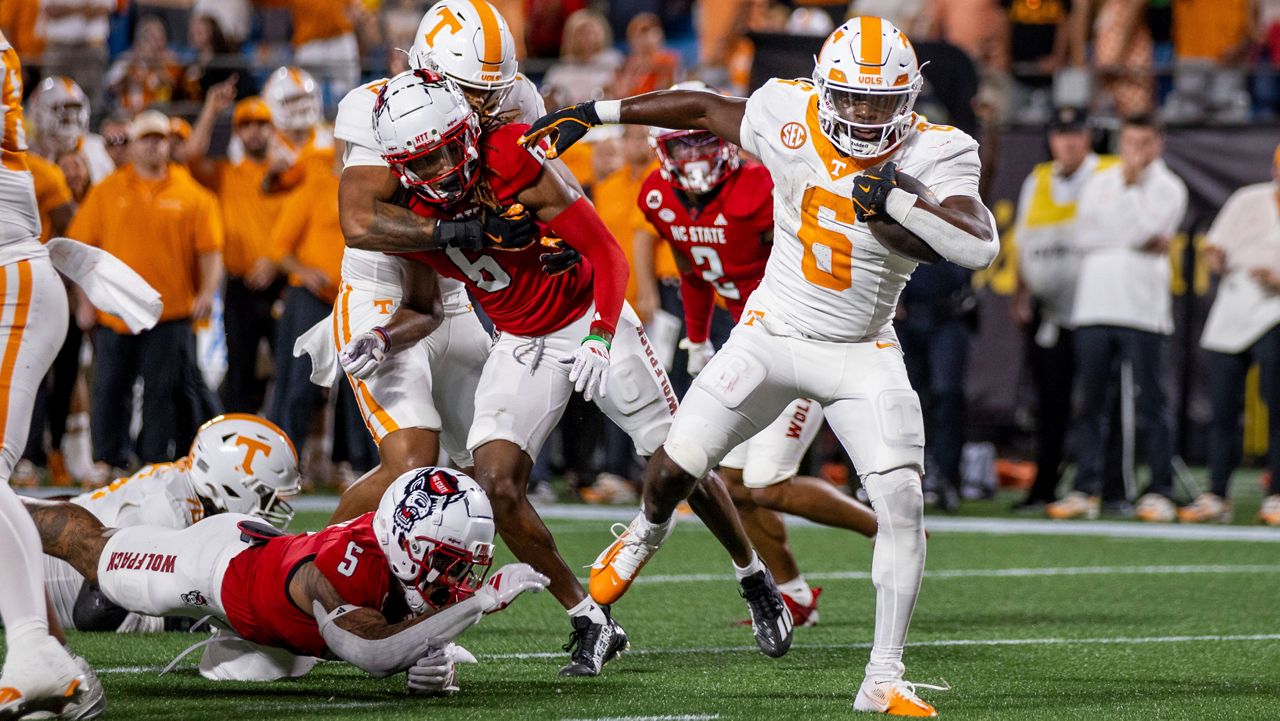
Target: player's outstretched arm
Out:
[71,533]
[676,109]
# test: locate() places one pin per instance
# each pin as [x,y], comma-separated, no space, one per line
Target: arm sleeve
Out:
[393,654]
[699,304]
[582,229]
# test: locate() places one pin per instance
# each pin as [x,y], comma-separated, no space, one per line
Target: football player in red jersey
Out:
[289,599]
[455,171]
[716,214]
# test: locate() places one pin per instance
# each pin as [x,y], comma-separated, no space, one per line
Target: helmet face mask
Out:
[872,114]
[696,161]
[429,135]
[60,113]
[435,527]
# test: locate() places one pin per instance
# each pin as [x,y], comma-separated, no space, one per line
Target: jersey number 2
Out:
[484,271]
[828,259]
[708,261]
[350,559]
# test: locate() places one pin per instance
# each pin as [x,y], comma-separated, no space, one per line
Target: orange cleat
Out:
[1207,508]
[895,697]
[619,564]
[1075,505]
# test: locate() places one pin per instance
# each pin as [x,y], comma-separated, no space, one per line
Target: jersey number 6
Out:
[828,261]
[484,271]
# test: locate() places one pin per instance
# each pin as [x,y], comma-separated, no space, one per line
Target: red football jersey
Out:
[510,285]
[721,241]
[255,587]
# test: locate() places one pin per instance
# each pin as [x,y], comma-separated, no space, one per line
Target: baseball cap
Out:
[1068,118]
[180,128]
[148,122]
[249,110]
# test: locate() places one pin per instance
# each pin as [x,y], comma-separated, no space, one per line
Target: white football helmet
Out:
[59,113]
[435,526]
[293,97]
[868,79]
[695,160]
[469,42]
[429,134]
[241,463]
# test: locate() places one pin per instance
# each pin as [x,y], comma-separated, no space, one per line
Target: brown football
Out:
[898,239]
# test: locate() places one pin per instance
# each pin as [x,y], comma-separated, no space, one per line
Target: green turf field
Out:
[1123,629]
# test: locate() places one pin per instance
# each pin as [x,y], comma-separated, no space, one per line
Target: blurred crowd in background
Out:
[127,91]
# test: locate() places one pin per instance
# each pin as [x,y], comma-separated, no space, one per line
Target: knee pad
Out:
[897,499]
[758,475]
[687,453]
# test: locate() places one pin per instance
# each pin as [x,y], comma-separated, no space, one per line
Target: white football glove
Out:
[508,582]
[433,674]
[362,356]
[699,355]
[590,367]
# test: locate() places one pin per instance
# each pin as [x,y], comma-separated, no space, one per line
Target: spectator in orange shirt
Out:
[153,216]
[248,212]
[649,65]
[307,243]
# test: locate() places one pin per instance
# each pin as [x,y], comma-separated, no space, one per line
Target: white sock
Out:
[754,567]
[22,568]
[590,609]
[798,590]
[652,534]
[897,564]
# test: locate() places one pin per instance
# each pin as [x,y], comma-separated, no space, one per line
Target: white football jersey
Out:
[377,272]
[157,495]
[828,277]
[19,215]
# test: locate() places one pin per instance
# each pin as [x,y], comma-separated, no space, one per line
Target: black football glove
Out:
[560,259]
[871,189]
[465,235]
[562,128]
[512,229]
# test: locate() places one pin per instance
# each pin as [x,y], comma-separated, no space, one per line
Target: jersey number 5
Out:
[483,271]
[828,259]
[350,559]
[708,261]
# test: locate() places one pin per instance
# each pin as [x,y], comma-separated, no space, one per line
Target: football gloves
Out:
[871,188]
[433,674]
[510,581]
[590,367]
[699,355]
[562,128]
[560,259]
[510,229]
[362,356]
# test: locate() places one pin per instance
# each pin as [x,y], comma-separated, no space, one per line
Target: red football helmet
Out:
[694,160]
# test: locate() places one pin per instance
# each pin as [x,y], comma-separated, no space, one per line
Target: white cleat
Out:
[895,697]
[41,676]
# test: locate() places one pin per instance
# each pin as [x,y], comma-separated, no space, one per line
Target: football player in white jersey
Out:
[238,464]
[855,171]
[443,368]
[297,112]
[60,117]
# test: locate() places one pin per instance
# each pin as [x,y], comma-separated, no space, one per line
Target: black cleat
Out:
[770,619]
[592,645]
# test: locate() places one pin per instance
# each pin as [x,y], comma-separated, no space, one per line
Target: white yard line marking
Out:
[993,573]
[665,717]
[1116,641]
[715,650]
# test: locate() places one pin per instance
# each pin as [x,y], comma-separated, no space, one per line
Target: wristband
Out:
[609,111]
[899,203]
[593,336]
[384,335]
